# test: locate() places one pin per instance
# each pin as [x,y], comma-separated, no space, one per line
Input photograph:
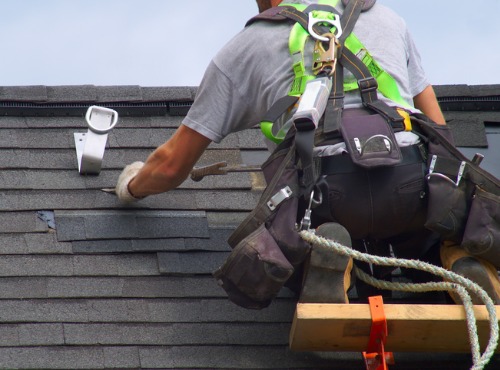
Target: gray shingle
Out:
[452,90]
[468,131]
[172,286]
[33,243]
[84,265]
[90,225]
[51,358]
[120,265]
[121,357]
[244,357]
[123,93]
[97,199]
[21,222]
[175,334]
[217,241]
[35,93]
[41,334]
[179,93]
[41,310]
[190,262]
[184,310]
[23,287]
[69,93]
[84,287]
[128,246]
[485,90]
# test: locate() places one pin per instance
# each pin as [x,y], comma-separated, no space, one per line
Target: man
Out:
[253,71]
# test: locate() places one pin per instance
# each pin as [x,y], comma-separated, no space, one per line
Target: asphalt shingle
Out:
[87,282]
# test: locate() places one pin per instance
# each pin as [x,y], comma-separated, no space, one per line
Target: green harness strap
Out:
[298,37]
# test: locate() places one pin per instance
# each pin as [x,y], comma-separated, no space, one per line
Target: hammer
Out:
[220,168]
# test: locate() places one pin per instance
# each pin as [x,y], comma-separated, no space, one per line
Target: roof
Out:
[90,283]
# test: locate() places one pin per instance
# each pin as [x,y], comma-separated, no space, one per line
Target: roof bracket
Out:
[90,146]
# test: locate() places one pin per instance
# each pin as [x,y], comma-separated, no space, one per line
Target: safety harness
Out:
[343,49]
[335,47]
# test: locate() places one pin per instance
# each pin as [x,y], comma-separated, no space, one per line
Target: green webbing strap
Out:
[386,83]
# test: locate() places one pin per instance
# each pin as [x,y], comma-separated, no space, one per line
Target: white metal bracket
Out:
[90,146]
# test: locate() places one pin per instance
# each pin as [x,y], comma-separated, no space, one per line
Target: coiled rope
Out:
[461,285]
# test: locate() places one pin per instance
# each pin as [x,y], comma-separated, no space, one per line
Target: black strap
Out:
[304,140]
[333,112]
[279,107]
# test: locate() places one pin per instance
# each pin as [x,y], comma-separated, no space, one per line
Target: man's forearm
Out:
[170,164]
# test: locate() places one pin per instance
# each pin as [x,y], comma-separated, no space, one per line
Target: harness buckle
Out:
[325,59]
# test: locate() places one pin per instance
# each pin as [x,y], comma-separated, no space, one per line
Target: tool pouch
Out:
[370,140]
[482,231]
[449,200]
[255,271]
[266,245]
[464,199]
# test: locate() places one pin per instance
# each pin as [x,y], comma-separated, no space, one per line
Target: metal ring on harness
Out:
[334,23]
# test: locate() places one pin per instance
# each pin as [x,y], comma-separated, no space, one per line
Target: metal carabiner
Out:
[305,224]
[334,23]
[325,58]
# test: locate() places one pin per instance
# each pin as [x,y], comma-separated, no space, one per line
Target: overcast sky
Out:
[169,43]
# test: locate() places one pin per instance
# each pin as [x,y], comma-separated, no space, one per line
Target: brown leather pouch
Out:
[255,271]
[482,231]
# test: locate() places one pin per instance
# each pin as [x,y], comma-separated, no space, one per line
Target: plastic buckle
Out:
[367,84]
[90,146]
[375,356]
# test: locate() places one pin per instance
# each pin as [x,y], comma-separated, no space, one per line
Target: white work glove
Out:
[127,174]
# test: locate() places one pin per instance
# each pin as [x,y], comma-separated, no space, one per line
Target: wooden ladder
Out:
[409,328]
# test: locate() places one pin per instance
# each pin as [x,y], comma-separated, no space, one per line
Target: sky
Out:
[170,43]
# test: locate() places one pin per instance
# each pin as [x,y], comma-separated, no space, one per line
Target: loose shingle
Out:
[94,225]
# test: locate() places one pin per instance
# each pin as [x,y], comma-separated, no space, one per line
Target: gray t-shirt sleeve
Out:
[219,108]
[242,82]
[418,80]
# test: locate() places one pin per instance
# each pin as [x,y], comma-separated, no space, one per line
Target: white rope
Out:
[458,283]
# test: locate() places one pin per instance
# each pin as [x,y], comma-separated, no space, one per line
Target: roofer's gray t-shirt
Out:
[254,70]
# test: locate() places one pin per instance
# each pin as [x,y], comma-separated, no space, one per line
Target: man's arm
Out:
[169,165]
[427,103]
